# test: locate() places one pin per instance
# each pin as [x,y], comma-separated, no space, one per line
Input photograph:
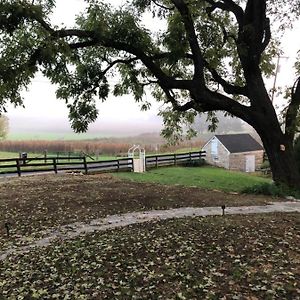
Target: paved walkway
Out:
[73,230]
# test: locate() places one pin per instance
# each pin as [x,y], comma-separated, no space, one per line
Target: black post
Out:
[18,167]
[132,164]
[118,165]
[156,161]
[55,165]
[85,165]
[175,162]
[223,210]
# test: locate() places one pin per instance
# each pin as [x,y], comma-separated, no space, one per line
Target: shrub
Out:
[265,165]
[195,163]
[271,190]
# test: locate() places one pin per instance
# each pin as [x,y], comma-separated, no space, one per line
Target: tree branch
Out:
[255,33]
[162,6]
[292,112]
[267,36]
[176,106]
[192,38]
[85,44]
[211,101]
[73,32]
[227,87]
[227,5]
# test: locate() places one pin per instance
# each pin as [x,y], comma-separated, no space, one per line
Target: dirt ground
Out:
[236,257]
[34,203]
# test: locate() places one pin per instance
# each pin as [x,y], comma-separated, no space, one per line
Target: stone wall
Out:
[232,161]
[238,160]
[219,160]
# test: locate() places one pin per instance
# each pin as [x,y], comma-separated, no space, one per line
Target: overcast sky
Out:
[43,110]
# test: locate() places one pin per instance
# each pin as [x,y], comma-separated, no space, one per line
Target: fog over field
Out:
[40,128]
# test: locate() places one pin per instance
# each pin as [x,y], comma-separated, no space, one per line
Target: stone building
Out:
[239,152]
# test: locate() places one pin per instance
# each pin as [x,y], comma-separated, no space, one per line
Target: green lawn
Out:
[204,177]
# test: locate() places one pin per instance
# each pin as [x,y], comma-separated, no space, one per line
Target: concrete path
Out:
[73,230]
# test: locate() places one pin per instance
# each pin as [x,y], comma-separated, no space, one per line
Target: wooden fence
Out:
[18,166]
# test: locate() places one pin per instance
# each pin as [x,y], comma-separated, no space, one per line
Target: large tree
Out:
[209,55]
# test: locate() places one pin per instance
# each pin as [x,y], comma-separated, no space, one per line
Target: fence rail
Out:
[17,166]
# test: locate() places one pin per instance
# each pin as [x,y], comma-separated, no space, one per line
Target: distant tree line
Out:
[95,147]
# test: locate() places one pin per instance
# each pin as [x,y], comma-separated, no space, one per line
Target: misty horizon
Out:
[37,126]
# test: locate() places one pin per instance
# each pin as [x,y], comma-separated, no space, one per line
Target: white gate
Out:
[139,161]
[250,163]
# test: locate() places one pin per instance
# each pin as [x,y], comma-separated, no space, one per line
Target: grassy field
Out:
[204,177]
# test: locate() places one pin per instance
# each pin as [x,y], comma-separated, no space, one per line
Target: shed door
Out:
[250,163]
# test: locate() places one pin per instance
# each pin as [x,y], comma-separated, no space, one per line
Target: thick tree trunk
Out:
[282,158]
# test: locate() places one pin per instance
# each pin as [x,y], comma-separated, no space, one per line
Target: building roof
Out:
[236,143]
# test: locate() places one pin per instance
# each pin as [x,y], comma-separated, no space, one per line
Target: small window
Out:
[215,157]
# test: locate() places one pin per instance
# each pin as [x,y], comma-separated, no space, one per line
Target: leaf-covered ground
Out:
[36,203]
[232,257]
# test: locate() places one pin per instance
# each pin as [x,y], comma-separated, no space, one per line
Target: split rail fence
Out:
[19,166]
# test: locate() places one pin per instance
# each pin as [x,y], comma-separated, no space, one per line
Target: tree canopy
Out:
[207,56]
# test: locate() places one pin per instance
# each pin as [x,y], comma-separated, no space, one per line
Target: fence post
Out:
[18,167]
[54,165]
[156,161]
[45,156]
[118,165]
[175,161]
[131,164]
[190,154]
[85,165]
